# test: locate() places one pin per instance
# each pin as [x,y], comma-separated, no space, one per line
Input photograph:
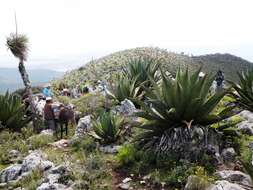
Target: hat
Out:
[48,98]
[65,90]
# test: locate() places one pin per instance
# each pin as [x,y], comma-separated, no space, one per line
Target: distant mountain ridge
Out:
[104,67]
[10,78]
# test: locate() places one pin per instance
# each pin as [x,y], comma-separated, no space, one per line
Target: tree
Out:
[18,45]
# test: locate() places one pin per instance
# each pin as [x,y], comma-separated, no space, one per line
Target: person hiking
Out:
[219,81]
[47,91]
[49,114]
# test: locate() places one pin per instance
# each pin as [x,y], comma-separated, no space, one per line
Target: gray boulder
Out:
[49,132]
[228,154]
[10,173]
[225,185]
[126,108]
[110,149]
[35,160]
[235,177]
[245,127]
[54,186]
[84,125]
[247,115]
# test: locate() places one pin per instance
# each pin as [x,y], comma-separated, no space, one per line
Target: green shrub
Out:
[39,141]
[86,144]
[11,141]
[90,103]
[64,99]
[127,155]
[12,112]
[109,127]
[31,181]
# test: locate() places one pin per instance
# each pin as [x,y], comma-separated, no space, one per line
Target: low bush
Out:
[90,104]
[86,144]
[39,141]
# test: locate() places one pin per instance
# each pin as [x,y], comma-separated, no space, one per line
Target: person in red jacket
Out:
[49,114]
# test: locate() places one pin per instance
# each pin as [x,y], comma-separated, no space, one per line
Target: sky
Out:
[64,34]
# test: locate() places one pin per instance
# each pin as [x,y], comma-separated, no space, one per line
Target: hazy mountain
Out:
[10,78]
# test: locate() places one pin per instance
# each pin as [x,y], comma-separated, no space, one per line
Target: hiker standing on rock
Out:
[219,81]
[49,114]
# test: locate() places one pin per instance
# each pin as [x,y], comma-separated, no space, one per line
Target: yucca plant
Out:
[12,112]
[108,127]
[244,90]
[175,107]
[18,45]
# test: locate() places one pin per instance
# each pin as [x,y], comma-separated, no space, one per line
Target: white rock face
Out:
[225,185]
[84,125]
[47,132]
[247,115]
[245,127]
[10,173]
[34,160]
[235,177]
[126,108]
[228,154]
[109,149]
[54,186]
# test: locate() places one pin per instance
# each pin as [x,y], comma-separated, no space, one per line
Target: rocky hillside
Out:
[105,67]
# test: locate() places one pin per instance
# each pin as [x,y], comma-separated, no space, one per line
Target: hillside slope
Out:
[105,67]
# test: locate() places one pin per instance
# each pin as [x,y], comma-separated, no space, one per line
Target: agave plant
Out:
[244,90]
[12,112]
[108,127]
[142,69]
[125,89]
[136,78]
[175,107]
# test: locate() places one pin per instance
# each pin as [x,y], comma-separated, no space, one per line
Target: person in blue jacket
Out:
[47,91]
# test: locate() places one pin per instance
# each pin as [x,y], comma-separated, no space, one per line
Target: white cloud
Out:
[67,27]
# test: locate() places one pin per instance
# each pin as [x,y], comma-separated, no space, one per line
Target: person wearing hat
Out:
[49,114]
[47,91]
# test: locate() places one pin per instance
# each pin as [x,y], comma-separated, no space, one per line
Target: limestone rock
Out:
[109,149]
[247,115]
[84,125]
[126,108]
[49,132]
[225,185]
[245,127]
[228,154]
[235,177]
[10,173]
[35,160]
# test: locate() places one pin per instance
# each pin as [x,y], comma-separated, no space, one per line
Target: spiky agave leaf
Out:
[108,127]
[12,112]
[244,90]
[18,45]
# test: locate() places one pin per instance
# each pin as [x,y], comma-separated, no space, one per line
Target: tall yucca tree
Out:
[244,90]
[18,45]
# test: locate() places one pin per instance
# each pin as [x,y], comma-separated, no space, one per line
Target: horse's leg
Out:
[66,128]
[61,130]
